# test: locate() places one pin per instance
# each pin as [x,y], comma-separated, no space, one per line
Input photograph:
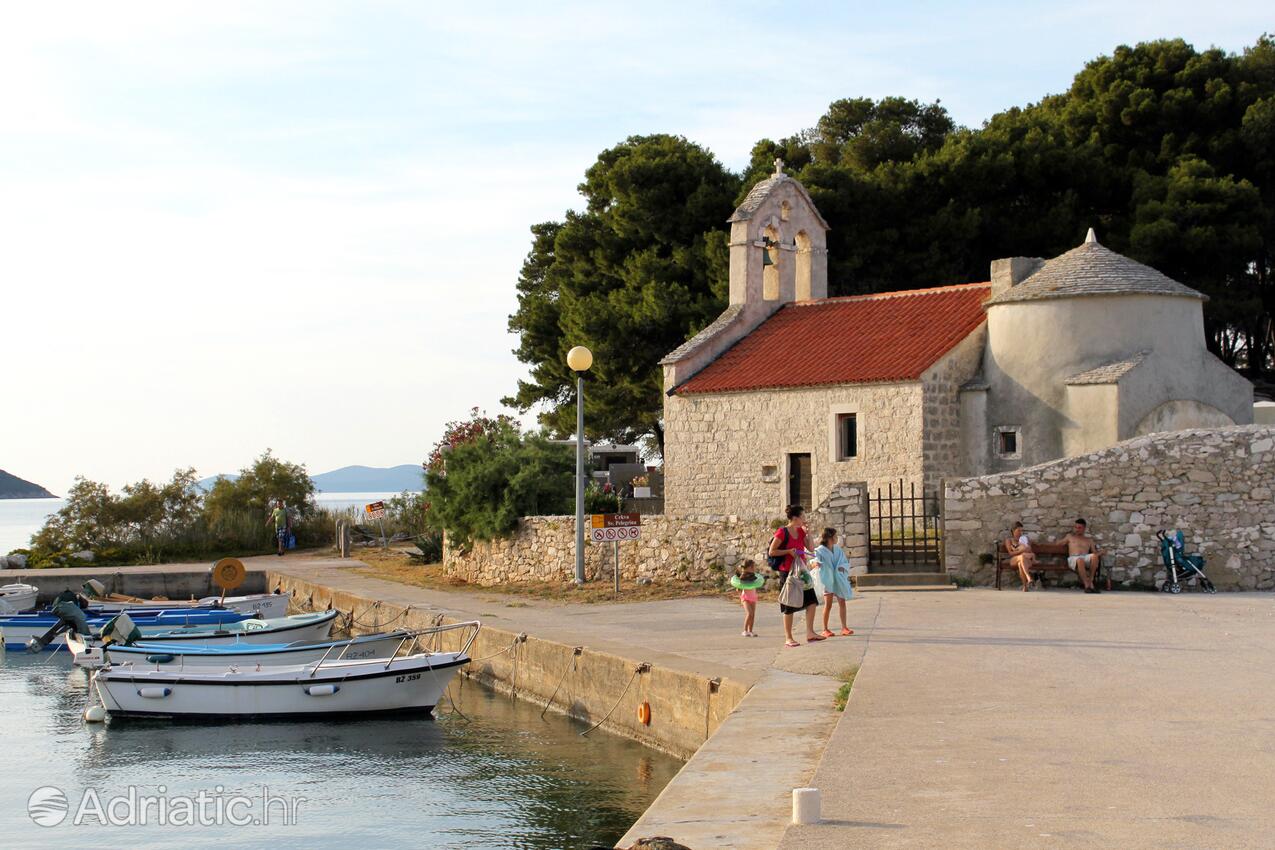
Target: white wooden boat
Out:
[197,654]
[263,606]
[299,627]
[412,682]
[16,598]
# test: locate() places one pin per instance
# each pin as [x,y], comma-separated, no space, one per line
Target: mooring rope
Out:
[636,670]
[575,655]
[520,639]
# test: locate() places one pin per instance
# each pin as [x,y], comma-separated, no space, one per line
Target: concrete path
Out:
[979,719]
[1010,720]
[735,792]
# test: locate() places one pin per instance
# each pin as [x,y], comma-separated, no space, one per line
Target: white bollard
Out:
[805,805]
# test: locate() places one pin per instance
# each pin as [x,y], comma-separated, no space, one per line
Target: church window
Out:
[847,436]
[1008,442]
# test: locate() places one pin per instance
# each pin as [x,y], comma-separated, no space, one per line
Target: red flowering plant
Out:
[461,432]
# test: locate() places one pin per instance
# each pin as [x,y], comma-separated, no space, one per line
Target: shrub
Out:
[598,502]
[488,483]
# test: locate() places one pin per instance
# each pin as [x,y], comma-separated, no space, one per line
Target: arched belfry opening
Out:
[804,248]
[772,264]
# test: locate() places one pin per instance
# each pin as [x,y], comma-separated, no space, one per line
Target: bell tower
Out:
[778,245]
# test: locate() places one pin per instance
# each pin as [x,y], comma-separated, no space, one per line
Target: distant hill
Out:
[206,484]
[354,479]
[371,479]
[13,487]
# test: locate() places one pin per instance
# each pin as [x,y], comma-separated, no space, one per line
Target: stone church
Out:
[790,392]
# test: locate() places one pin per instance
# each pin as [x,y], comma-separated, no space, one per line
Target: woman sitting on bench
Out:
[1021,555]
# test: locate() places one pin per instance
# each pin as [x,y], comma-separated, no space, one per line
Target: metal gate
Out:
[903,529]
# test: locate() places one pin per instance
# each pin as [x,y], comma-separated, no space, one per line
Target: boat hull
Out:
[298,627]
[16,632]
[359,688]
[263,606]
[16,598]
[193,655]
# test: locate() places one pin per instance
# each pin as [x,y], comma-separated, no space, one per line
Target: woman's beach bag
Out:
[777,561]
[793,594]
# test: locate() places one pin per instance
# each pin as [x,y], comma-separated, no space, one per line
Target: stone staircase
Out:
[898,576]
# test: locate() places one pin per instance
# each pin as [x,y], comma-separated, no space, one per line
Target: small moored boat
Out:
[411,682]
[263,606]
[298,627]
[16,598]
[38,631]
[194,654]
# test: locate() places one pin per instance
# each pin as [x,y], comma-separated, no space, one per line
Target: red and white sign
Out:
[615,528]
[376,510]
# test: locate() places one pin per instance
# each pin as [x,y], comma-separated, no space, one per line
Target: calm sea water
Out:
[505,778]
[20,518]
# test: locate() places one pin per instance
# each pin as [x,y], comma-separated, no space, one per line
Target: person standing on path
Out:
[282,525]
[787,556]
[831,569]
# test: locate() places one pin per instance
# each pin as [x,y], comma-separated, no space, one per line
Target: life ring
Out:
[644,714]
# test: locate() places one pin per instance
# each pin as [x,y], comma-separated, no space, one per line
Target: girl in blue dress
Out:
[831,570]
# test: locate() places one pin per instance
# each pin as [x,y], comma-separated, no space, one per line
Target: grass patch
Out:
[843,693]
[396,565]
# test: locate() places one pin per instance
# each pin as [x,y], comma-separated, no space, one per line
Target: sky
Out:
[226,227]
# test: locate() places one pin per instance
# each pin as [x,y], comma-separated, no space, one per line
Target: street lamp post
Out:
[579,359]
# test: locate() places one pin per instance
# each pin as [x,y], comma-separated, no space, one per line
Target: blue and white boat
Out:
[412,679]
[87,650]
[190,655]
[17,631]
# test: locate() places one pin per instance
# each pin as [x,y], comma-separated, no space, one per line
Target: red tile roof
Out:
[891,336]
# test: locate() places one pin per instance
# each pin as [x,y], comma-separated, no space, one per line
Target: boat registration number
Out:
[409,677]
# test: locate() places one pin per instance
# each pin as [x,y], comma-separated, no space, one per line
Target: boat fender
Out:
[154,693]
[159,659]
[94,714]
[322,690]
[644,713]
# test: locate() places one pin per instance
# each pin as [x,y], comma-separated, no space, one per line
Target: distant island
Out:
[13,487]
[356,479]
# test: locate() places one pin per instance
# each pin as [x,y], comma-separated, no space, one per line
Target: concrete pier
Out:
[171,581]
[979,719]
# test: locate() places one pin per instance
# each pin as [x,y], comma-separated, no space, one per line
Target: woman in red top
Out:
[789,543]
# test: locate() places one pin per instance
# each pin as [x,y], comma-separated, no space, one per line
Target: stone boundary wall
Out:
[1215,485]
[697,549]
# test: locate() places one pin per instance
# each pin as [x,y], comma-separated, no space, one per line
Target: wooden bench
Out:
[1050,558]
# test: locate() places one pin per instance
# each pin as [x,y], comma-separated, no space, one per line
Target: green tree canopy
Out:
[634,274]
[261,482]
[1167,151]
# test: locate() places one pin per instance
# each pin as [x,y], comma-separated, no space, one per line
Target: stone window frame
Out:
[835,412]
[786,452]
[1017,431]
[841,456]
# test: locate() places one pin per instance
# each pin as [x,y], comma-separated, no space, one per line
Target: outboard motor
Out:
[120,629]
[70,619]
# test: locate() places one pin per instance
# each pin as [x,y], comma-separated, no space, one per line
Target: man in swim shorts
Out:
[1082,555]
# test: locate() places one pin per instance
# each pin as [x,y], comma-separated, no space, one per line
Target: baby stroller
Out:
[1180,566]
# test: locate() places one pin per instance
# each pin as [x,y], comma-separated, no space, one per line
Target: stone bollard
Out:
[805,805]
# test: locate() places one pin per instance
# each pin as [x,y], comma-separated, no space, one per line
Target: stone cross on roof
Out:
[779,166]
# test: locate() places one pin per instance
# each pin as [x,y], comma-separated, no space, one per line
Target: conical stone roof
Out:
[1092,269]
